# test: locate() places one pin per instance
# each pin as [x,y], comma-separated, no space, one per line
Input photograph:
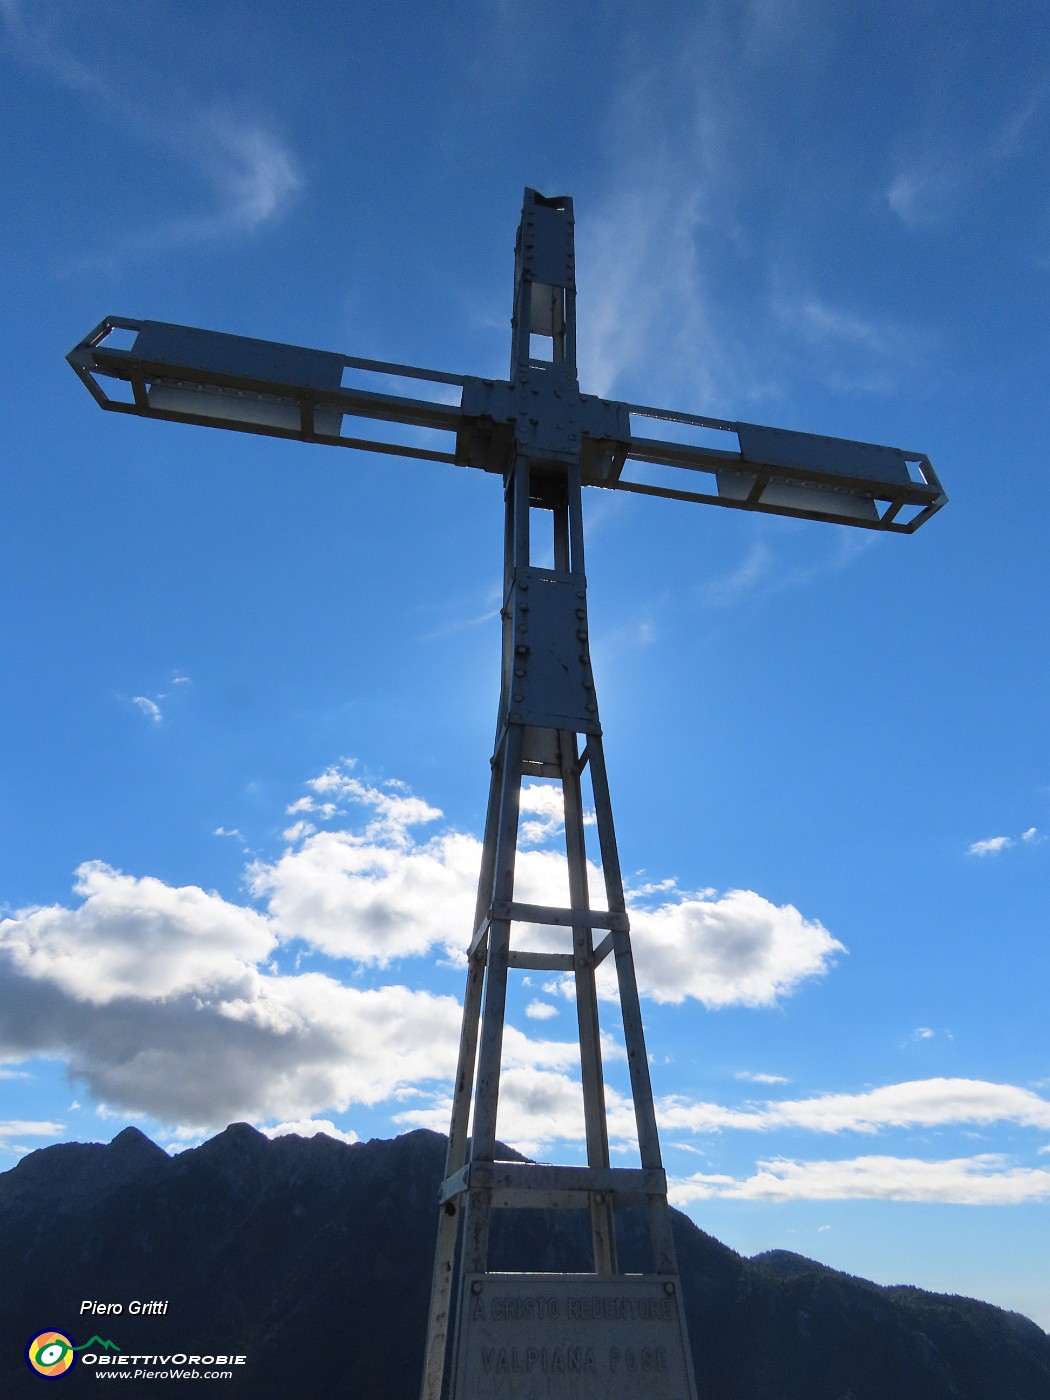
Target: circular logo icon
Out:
[50,1354]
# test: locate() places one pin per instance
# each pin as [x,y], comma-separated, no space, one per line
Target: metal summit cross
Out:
[607,1333]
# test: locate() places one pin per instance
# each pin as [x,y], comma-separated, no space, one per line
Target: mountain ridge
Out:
[290,1248]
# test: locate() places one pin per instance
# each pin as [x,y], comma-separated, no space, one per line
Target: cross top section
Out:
[184,374]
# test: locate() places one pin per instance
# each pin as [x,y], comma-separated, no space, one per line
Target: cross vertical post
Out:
[547,727]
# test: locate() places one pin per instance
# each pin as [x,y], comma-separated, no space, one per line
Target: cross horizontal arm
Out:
[188,375]
[779,471]
[215,380]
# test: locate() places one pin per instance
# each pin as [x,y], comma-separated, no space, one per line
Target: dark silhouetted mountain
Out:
[313,1259]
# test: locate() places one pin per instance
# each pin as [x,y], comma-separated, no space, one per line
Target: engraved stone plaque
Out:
[571,1337]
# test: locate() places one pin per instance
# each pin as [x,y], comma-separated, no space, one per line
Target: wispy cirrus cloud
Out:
[249,173]
[148,707]
[932,186]
[764,572]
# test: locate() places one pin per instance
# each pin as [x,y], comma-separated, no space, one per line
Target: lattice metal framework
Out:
[517,1335]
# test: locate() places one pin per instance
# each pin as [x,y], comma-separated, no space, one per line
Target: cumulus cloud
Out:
[373,901]
[279,1047]
[171,1001]
[136,937]
[540,1010]
[310,1127]
[542,813]
[987,1179]
[991,846]
[737,950]
[382,891]
[163,1002]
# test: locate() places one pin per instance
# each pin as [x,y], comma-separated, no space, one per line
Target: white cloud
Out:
[736,950]
[395,811]
[381,893]
[992,845]
[543,813]
[149,707]
[310,1127]
[538,1109]
[754,1078]
[160,1001]
[19,1127]
[136,937]
[170,1001]
[540,1010]
[298,831]
[987,1179]
[916,1103]
[372,901]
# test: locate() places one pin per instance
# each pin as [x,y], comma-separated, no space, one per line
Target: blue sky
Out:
[249,686]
